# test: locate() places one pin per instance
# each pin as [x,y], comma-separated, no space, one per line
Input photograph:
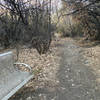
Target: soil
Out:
[66,72]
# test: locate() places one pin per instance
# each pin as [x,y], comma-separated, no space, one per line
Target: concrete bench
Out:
[11,78]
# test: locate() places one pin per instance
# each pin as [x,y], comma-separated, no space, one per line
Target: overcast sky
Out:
[55,3]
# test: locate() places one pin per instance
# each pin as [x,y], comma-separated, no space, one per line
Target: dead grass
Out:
[91,52]
[44,67]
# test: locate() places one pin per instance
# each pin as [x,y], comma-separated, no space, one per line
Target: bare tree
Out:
[27,19]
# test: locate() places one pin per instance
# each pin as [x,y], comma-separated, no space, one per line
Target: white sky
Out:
[56,4]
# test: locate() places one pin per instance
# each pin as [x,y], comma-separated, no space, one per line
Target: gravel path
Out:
[71,80]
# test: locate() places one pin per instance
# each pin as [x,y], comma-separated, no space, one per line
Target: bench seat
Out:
[11,79]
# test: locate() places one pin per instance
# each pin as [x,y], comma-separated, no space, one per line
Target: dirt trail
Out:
[71,80]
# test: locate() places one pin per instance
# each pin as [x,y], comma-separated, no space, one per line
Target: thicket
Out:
[79,18]
[26,22]
[87,13]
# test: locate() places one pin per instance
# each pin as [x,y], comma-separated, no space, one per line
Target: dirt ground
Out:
[69,71]
[91,53]
[44,68]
